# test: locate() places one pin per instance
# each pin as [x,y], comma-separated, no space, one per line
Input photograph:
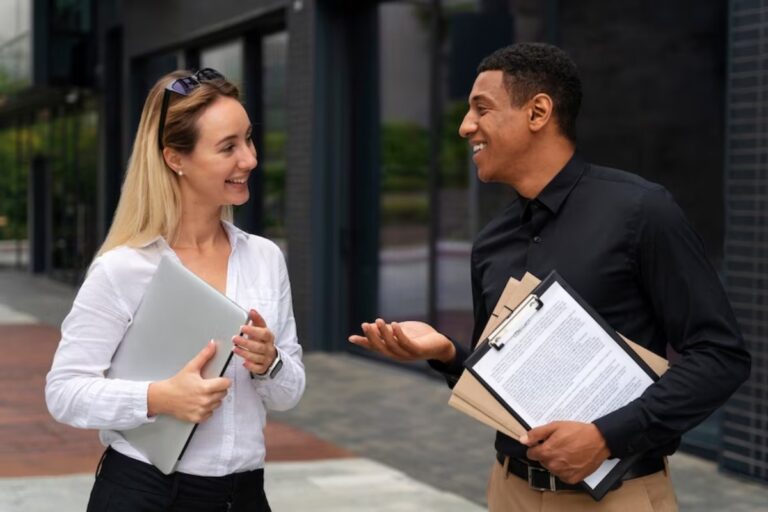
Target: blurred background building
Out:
[363,180]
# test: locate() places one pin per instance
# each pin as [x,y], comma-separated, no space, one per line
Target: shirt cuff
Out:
[455,367]
[619,429]
[140,394]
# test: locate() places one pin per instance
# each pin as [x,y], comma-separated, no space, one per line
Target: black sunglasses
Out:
[183,86]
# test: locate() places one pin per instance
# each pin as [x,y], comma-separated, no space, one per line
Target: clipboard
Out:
[473,398]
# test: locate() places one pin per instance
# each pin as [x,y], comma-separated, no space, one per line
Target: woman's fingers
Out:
[255,333]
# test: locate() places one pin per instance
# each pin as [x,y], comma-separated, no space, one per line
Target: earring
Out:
[180,173]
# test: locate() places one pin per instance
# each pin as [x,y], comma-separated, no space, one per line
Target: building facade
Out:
[745,427]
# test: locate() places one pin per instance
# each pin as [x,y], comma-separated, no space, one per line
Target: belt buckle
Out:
[531,470]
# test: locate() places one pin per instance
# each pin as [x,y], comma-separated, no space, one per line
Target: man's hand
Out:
[570,450]
[257,346]
[406,341]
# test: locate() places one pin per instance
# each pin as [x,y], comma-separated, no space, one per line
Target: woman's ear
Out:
[540,108]
[172,160]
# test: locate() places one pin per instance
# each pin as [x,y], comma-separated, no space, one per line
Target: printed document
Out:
[562,365]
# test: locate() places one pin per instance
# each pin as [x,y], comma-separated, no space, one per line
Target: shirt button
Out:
[537,239]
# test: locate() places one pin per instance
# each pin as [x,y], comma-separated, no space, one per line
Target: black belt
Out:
[540,479]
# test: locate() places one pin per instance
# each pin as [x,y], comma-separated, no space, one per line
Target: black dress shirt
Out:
[624,245]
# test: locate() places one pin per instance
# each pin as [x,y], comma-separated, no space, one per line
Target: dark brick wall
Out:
[301,107]
[653,75]
[745,429]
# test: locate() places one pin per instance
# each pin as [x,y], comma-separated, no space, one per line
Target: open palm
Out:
[404,341]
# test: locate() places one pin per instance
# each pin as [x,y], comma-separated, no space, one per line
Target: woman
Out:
[191,161]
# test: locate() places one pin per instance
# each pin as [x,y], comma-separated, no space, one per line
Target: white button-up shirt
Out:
[232,440]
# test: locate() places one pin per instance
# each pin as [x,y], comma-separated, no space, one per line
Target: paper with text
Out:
[562,365]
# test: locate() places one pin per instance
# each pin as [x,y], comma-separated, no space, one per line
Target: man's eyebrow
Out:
[479,97]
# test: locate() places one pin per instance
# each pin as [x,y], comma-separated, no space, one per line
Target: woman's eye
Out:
[229,148]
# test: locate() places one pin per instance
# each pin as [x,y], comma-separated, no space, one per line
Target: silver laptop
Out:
[178,315]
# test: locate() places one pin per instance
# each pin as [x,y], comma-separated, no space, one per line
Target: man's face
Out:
[497,130]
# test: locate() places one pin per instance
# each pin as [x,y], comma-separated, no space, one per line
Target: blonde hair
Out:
[150,199]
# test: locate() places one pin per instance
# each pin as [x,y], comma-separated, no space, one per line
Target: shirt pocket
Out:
[267,307]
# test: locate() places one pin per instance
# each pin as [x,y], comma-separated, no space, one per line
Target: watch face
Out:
[276,369]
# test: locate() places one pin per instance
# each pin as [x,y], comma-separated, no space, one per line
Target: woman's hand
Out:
[187,395]
[405,341]
[257,346]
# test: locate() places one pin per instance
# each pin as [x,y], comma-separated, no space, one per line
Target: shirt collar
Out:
[234,234]
[557,191]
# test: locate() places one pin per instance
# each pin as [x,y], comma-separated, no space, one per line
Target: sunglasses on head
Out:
[183,86]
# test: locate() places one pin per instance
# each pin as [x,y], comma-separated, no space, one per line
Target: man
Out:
[624,245]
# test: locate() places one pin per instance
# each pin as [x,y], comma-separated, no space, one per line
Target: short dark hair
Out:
[533,68]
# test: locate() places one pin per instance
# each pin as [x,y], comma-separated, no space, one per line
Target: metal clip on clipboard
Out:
[515,321]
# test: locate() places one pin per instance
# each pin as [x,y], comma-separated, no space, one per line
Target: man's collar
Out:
[557,191]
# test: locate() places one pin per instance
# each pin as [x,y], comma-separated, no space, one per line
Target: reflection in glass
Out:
[272,156]
[404,204]
[405,207]
[72,142]
[65,139]
[15,45]
[227,59]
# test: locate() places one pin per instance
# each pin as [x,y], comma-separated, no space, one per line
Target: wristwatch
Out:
[273,369]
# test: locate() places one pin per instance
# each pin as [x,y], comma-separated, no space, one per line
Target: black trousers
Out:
[124,484]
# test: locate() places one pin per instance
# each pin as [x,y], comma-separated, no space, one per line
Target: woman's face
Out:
[216,172]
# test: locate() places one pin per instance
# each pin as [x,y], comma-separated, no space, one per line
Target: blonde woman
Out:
[191,161]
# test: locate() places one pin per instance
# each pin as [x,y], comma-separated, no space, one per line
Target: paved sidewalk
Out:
[329,485]
[381,438]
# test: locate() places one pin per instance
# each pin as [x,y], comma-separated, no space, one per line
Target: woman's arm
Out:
[76,391]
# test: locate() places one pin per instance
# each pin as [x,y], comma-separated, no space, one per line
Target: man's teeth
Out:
[478,147]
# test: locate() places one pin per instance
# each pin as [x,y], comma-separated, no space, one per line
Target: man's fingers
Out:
[375,333]
[538,434]
[371,331]
[404,341]
[393,342]
[386,332]
[390,341]
[386,339]
[359,340]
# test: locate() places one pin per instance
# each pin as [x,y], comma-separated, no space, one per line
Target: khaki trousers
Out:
[510,493]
